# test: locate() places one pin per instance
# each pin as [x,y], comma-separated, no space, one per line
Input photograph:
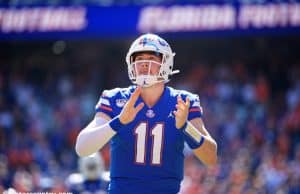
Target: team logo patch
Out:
[121,102]
[150,113]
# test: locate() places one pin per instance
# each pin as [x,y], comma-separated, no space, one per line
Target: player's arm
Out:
[195,134]
[95,135]
[207,152]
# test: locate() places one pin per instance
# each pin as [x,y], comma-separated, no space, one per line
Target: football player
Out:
[92,178]
[147,125]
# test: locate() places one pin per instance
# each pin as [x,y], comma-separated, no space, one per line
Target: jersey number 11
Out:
[141,143]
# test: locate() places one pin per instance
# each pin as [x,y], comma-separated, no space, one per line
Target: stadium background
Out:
[248,83]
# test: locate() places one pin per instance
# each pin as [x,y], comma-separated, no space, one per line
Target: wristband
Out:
[192,136]
[116,124]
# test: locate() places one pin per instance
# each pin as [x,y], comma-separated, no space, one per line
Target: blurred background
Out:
[241,57]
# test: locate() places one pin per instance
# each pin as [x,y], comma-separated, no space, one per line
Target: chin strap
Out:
[157,81]
[146,86]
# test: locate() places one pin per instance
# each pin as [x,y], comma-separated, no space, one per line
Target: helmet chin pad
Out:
[146,80]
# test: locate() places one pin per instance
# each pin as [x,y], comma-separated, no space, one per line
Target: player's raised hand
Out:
[129,112]
[182,111]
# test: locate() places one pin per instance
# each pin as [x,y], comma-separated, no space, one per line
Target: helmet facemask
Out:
[150,43]
[145,72]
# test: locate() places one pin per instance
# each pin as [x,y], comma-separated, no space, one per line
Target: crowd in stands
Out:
[252,110]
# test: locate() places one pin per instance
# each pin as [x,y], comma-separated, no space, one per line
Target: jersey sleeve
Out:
[195,108]
[104,104]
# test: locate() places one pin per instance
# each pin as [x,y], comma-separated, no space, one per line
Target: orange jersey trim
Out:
[195,110]
[105,108]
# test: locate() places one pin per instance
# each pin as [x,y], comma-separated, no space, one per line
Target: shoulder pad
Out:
[116,92]
[184,94]
[195,107]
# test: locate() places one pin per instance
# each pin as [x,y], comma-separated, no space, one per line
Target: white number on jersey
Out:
[141,142]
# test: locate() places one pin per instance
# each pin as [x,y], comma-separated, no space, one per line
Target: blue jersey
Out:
[147,157]
[82,186]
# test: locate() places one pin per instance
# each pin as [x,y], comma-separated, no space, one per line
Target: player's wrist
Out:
[183,126]
[121,120]
[191,135]
[116,124]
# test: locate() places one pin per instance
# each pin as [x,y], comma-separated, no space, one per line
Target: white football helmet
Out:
[91,167]
[152,43]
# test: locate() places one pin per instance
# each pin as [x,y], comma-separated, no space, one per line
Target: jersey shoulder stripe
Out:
[110,100]
[195,107]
